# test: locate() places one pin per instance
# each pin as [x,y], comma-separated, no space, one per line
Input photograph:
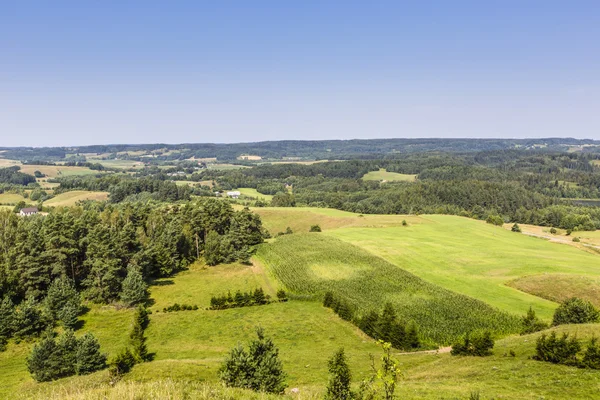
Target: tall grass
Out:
[311,264]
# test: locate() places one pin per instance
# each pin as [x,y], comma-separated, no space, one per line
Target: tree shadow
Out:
[163,282]
[79,325]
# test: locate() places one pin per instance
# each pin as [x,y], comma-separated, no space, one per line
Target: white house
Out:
[234,195]
[28,211]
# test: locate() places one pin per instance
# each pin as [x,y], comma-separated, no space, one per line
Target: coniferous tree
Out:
[369,324]
[88,356]
[66,354]
[591,357]
[212,248]
[122,363]
[387,323]
[412,336]
[259,368]
[530,323]
[134,288]
[340,378]
[575,311]
[42,362]
[61,294]
[68,315]
[137,339]
[7,315]
[28,319]
[328,299]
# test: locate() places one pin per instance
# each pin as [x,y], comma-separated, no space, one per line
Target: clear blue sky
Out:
[90,72]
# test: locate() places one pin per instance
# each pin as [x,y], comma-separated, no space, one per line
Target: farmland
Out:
[71,198]
[250,192]
[473,258]
[11,198]
[383,175]
[314,263]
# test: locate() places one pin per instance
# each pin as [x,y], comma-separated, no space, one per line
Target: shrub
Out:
[553,231]
[240,299]
[258,368]
[531,323]
[315,228]
[591,357]
[404,223]
[121,363]
[479,345]
[575,311]
[281,295]
[549,348]
[340,377]
[495,220]
[516,228]
[576,239]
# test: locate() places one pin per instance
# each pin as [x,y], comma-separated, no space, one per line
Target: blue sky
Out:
[92,72]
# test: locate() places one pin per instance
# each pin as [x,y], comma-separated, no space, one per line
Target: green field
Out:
[473,258]
[12,199]
[68,199]
[383,175]
[251,192]
[122,164]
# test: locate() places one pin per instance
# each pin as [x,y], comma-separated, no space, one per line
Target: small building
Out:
[234,194]
[28,211]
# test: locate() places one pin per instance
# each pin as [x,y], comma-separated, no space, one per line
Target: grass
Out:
[121,164]
[383,175]
[250,192]
[559,287]
[225,167]
[68,199]
[315,263]
[12,199]
[473,258]
[300,219]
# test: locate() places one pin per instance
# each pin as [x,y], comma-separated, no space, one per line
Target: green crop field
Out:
[313,263]
[250,192]
[71,198]
[383,175]
[12,199]
[473,258]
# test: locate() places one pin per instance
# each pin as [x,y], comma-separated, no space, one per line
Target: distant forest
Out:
[310,149]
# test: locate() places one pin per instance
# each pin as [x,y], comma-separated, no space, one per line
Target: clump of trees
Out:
[530,323]
[575,311]
[137,351]
[240,299]
[53,358]
[480,345]
[566,350]
[341,307]
[257,368]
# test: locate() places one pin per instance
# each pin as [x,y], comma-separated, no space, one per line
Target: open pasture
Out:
[251,192]
[383,175]
[68,199]
[10,199]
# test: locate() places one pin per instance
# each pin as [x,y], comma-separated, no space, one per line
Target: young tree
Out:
[7,315]
[340,377]
[66,354]
[575,311]
[62,293]
[88,356]
[137,339]
[212,248]
[412,336]
[591,357]
[531,323]
[516,228]
[134,288]
[387,376]
[315,228]
[258,369]
[28,319]
[387,323]
[42,362]
[68,315]
[121,363]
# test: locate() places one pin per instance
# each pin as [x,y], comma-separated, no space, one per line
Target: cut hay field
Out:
[559,287]
[251,192]
[121,164]
[473,258]
[68,199]
[313,263]
[383,175]
[12,199]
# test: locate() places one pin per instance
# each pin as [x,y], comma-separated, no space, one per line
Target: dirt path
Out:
[441,350]
[559,240]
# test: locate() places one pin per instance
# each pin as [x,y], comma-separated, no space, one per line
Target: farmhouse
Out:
[234,195]
[28,211]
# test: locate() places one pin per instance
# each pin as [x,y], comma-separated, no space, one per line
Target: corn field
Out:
[311,264]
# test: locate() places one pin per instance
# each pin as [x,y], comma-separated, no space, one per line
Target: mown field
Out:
[473,258]
[12,199]
[71,198]
[313,263]
[383,175]
[251,192]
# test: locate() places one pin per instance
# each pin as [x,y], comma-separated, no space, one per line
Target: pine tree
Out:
[328,300]
[212,248]
[7,315]
[530,323]
[340,377]
[121,363]
[42,362]
[62,293]
[398,336]
[259,297]
[28,319]
[134,288]
[591,357]
[137,339]
[66,352]
[412,336]
[387,323]
[68,315]
[369,324]
[88,357]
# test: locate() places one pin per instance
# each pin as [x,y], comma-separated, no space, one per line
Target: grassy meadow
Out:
[251,192]
[12,198]
[383,175]
[71,198]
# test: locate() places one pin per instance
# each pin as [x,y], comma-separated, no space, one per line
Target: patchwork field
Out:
[313,263]
[383,175]
[71,198]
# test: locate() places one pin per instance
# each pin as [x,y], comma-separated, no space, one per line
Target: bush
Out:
[531,323]
[516,228]
[340,377]
[553,231]
[281,295]
[557,351]
[240,299]
[575,311]
[404,223]
[479,345]
[121,363]
[315,228]
[576,239]
[495,220]
[591,357]
[258,368]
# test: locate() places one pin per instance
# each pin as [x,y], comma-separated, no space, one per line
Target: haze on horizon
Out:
[77,73]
